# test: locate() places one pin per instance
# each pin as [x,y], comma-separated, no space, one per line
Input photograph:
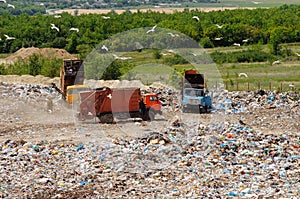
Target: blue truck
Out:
[195,97]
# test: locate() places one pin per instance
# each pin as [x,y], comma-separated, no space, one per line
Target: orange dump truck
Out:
[106,104]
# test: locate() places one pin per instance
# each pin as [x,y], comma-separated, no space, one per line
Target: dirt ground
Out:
[29,119]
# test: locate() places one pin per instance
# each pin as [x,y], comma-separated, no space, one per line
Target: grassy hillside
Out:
[260,74]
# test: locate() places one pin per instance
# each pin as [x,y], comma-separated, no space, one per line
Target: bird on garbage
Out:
[54,27]
[241,122]
[152,29]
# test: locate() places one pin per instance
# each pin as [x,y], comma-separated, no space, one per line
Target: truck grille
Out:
[194,101]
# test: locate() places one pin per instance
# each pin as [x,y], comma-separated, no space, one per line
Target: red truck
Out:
[106,103]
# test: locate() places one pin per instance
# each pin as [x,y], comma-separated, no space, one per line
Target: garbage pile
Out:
[239,102]
[210,161]
[27,91]
[220,159]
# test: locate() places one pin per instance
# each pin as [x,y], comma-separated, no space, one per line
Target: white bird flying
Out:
[10,6]
[256,2]
[237,44]
[57,16]
[3,1]
[276,62]
[9,38]
[219,26]
[104,48]
[245,40]
[74,29]
[173,35]
[152,29]
[196,17]
[54,27]
[243,74]
[298,54]
[121,58]
[218,38]
[292,85]
[105,17]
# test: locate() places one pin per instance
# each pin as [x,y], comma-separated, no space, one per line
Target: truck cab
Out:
[151,101]
[195,97]
[72,94]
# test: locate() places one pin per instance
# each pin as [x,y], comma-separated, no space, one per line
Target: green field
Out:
[260,74]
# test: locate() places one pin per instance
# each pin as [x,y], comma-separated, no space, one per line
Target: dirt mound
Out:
[25,53]
[28,79]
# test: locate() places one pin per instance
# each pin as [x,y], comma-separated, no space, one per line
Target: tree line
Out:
[210,29]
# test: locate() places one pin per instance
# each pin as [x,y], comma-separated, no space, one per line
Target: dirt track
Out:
[161,10]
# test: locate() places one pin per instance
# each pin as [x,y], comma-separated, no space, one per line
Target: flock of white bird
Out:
[8,5]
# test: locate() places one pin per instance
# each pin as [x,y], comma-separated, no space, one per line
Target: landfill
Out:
[248,146]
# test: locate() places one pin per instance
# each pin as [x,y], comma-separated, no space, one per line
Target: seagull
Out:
[298,54]
[243,74]
[105,17]
[218,38]
[245,40]
[292,85]
[57,16]
[121,58]
[104,48]
[276,62]
[219,26]
[54,27]
[9,38]
[196,17]
[173,35]
[256,2]
[237,44]
[4,1]
[152,29]
[74,29]
[10,6]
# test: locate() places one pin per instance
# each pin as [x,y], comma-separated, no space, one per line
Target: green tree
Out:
[112,72]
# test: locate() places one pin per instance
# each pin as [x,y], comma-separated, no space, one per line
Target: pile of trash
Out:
[185,159]
[242,101]
[214,161]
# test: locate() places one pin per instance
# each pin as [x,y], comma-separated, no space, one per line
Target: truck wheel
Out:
[108,118]
[151,115]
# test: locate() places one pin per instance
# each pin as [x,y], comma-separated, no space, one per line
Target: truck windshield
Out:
[76,90]
[194,92]
[153,98]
